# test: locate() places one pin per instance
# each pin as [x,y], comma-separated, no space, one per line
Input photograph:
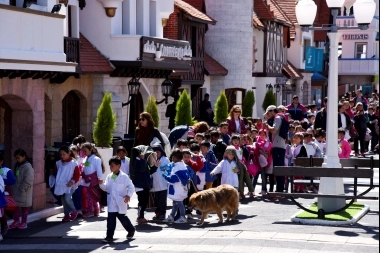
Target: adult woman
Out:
[360,123]
[235,122]
[344,120]
[146,132]
[374,98]
[348,110]
[184,131]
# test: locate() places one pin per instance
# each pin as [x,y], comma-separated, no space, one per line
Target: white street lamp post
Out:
[364,11]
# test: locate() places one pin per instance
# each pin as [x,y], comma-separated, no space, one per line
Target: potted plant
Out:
[221,108]
[104,126]
[248,103]
[269,99]
[152,108]
[183,108]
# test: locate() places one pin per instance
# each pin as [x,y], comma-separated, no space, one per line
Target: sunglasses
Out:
[141,119]
[237,111]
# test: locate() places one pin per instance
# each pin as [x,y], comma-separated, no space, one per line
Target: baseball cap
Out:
[270,108]
[282,108]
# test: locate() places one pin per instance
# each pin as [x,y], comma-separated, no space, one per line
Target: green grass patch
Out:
[346,215]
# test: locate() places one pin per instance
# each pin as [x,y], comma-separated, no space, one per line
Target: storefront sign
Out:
[314,59]
[181,53]
[355,36]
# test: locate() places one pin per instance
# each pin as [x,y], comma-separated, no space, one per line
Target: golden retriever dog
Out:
[223,197]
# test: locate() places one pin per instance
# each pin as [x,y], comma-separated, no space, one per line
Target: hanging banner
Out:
[310,59]
[318,65]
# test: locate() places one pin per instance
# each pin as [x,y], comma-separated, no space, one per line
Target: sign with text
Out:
[355,36]
[314,59]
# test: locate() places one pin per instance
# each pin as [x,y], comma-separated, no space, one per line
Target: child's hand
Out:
[70,184]
[236,170]
[100,181]
[211,174]
[157,164]
[127,199]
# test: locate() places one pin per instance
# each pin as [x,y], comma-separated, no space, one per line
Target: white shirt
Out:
[117,188]
[125,165]
[237,123]
[65,172]
[228,175]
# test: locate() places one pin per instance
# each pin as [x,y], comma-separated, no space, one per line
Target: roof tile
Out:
[194,12]
[91,60]
[269,10]
[289,8]
[291,72]
[214,68]
[257,22]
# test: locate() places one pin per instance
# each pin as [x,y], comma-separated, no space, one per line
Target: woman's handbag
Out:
[353,132]
[368,135]
[11,203]
[252,168]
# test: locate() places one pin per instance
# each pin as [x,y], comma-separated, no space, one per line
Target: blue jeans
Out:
[77,198]
[278,155]
[111,223]
[67,202]
[178,205]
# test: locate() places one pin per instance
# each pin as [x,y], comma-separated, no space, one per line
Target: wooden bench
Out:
[353,173]
[370,163]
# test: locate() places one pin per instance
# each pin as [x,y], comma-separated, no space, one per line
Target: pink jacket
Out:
[346,149]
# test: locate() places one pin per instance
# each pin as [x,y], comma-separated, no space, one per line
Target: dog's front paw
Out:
[220,221]
[199,223]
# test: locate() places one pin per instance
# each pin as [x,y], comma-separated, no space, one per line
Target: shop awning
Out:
[214,68]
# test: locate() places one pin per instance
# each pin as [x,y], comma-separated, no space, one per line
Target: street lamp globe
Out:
[306,10]
[335,4]
[364,11]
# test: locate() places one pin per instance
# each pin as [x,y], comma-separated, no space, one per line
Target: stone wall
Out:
[230,42]
[25,99]
[54,94]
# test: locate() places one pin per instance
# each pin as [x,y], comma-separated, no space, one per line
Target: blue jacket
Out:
[177,179]
[209,165]
[8,176]
[2,198]
[176,133]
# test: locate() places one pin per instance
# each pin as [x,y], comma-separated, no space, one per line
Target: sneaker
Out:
[88,214]
[107,240]
[73,215]
[131,234]
[263,193]
[4,230]
[156,217]
[169,219]
[189,216]
[66,218]
[22,226]
[15,224]
[181,219]
[142,221]
[161,217]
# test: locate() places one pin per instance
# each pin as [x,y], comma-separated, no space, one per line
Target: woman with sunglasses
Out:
[146,132]
[235,122]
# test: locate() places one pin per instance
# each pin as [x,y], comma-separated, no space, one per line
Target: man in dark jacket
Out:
[205,107]
[296,110]
[321,118]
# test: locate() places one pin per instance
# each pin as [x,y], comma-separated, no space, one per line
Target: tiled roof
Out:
[291,72]
[194,12]
[91,60]
[289,8]
[270,10]
[214,68]
[256,22]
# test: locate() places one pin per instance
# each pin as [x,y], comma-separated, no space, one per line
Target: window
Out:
[306,44]
[361,50]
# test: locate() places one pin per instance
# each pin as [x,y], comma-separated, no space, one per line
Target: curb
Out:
[42,214]
[354,219]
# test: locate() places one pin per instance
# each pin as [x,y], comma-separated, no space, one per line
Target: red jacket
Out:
[232,126]
[197,165]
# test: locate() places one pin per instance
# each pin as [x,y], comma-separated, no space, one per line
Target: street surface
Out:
[263,225]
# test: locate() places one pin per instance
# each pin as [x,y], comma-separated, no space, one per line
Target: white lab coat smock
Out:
[116,191]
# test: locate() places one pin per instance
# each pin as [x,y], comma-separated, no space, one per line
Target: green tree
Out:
[105,122]
[269,99]
[248,103]
[152,108]
[183,108]
[221,108]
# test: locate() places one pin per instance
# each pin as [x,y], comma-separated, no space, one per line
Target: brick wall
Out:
[171,29]
[196,3]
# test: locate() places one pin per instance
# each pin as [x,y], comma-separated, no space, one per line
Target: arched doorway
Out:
[16,127]
[135,108]
[71,105]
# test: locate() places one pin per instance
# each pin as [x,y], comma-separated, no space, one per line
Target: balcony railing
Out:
[72,49]
[347,21]
[353,66]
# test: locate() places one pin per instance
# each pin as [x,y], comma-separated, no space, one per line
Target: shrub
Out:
[269,99]
[105,122]
[248,103]
[221,108]
[183,108]
[152,108]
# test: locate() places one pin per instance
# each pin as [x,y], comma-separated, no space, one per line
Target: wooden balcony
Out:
[72,49]
[353,66]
